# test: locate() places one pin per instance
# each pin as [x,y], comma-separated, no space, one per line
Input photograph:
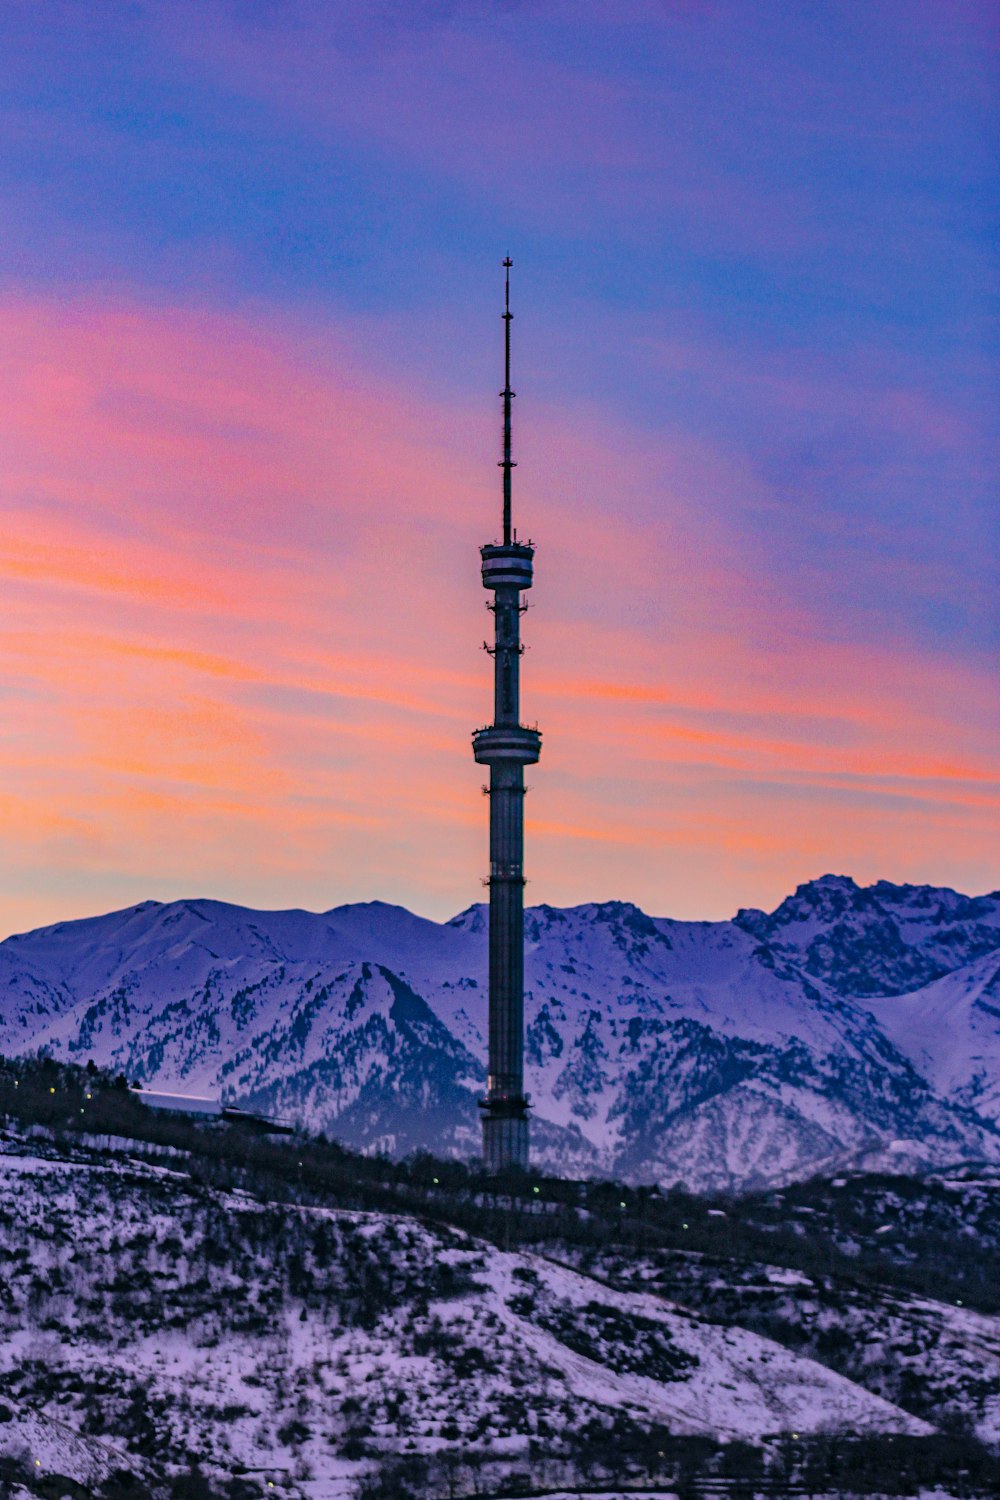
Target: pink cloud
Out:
[240,631]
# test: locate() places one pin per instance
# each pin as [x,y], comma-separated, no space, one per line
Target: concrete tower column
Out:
[506,746]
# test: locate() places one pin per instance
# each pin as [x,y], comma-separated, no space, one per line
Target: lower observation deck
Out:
[506,745]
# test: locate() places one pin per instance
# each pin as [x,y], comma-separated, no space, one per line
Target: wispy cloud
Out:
[242,607]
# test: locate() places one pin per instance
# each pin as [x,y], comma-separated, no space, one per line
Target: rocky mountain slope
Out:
[851,1025]
[881,939]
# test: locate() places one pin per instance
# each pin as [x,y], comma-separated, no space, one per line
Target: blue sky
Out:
[754,294]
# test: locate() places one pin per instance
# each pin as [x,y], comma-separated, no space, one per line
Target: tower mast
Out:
[506,746]
[506,463]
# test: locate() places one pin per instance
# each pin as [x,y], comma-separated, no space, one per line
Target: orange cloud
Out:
[240,641]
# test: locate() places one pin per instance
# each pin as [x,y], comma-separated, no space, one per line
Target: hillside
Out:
[852,1026]
[195,1311]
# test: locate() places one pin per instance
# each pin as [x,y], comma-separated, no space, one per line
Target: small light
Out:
[436,1180]
[81,1109]
[683,1226]
[536,1190]
[51,1091]
[38,1463]
[90,1096]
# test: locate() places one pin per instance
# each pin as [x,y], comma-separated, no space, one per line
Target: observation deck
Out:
[507,565]
[509,744]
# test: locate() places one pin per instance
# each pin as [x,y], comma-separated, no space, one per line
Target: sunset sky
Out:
[250,350]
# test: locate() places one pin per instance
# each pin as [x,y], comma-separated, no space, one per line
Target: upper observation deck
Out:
[507,565]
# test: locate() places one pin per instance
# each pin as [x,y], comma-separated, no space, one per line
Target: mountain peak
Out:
[880,939]
[472,919]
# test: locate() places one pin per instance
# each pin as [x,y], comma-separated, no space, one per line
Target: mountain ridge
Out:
[850,1024]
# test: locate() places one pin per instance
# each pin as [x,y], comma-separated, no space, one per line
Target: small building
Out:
[201,1107]
[198,1106]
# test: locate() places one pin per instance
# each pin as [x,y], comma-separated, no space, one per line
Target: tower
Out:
[506,746]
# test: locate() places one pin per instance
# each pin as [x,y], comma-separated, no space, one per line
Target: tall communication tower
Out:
[506,746]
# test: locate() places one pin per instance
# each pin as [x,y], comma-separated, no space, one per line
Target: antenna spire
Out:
[506,463]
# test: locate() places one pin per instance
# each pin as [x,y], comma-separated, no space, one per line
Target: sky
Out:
[250,350]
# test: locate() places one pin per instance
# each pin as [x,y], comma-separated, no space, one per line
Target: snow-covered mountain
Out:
[851,1024]
[881,939]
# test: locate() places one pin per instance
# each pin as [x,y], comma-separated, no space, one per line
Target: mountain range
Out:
[852,1026]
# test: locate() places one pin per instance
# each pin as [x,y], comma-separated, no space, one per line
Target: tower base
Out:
[505,1139]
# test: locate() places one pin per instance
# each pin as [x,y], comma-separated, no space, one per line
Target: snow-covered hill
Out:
[848,1025]
[149,1320]
[229,1320]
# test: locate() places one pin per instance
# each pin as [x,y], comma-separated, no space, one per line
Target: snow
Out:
[743,1386]
[656,1049]
[950,1030]
[138,1279]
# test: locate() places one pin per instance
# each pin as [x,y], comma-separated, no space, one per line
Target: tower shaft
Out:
[506,746]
